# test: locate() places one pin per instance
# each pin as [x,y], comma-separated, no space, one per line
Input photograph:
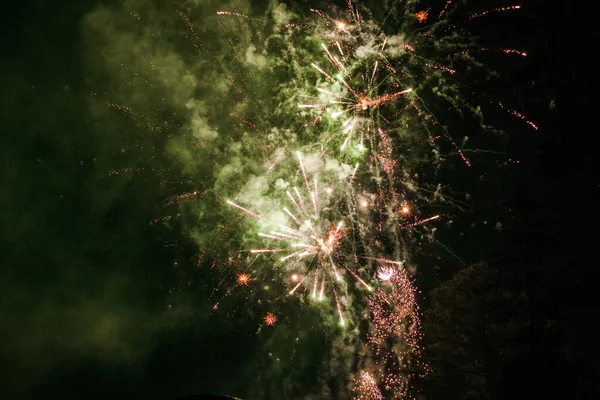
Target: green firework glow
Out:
[311,143]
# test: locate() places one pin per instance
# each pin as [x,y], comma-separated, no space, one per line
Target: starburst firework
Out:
[312,239]
[270,319]
[359,84]
[243,279]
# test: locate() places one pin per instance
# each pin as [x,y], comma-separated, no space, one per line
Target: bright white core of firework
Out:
[385,273]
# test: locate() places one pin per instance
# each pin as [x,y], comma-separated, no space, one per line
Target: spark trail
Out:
[393,339]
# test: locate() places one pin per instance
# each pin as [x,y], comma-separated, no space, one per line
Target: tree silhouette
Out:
[473,327]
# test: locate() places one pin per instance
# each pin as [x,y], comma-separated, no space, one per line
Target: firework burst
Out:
[243,279]
[314,239]
[270,319]
[374,81]
[360,82]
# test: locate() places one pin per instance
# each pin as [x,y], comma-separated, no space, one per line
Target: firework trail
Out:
[365,387]
[393,339]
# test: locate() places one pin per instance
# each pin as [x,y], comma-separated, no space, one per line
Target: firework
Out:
[385,273]
[380,102]
[270,319]
[393,338]
[422,15]
[353,90]
[312,239]
[243,279]
[372,82]
[365,387]
[368,83]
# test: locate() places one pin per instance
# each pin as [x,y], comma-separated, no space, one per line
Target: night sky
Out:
[105,289]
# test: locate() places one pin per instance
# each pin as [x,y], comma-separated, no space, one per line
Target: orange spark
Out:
[243,279]
[270,319]
[421,16]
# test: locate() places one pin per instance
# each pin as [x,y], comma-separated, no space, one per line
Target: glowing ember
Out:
[270,319]
[243,279]
[421,16]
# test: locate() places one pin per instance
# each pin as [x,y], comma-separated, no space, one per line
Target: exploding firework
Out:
[385,273]
[314,240]
[243,279]
[270,319]
[374,82]
[422,15]
[380,98]
[375,102]
[362,80]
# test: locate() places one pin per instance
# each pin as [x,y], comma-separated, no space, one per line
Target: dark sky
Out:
[86,308]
